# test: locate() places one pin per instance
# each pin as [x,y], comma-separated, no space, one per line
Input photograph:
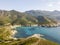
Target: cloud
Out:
[50,5]
[58,3]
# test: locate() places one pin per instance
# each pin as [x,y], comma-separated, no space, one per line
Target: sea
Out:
[49,33]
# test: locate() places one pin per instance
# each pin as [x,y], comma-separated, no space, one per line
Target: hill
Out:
[25,18]
[15,17]
[43,13]
[32,40]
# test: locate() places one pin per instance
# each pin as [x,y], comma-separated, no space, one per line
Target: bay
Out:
[52,33]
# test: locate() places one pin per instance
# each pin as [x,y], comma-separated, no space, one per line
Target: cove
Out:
[52,33]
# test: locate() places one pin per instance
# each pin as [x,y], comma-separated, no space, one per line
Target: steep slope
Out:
[17,17]
[30,17]
[32,40]
[45,17]
[36,39]
[43,13]
[51,14]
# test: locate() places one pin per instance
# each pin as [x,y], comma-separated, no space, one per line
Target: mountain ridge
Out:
[43,12]
[24,18]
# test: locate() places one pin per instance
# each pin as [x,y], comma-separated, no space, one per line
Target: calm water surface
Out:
[49,33]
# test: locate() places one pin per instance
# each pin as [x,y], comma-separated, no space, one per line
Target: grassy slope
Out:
[30,41]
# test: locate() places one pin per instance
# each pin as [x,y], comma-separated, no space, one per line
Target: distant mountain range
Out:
[55,15]
[43,13]
[32,16]
[16,17]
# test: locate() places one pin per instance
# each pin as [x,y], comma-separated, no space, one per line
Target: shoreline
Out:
[14,26]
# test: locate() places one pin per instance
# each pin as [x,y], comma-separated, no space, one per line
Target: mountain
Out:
[36,39]
[16,17]
[43,13]
[32,40]
[53,15]
[26,18]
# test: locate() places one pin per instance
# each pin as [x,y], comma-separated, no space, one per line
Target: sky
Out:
[25,5]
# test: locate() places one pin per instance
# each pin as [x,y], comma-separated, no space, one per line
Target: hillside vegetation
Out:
[15,17]
[29,41]
[6,38]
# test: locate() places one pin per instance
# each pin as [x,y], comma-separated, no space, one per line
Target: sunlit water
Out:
[49,33]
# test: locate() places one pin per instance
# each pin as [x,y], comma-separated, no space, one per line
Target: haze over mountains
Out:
[32,16]
[24,18]
[43,13]
[51,14]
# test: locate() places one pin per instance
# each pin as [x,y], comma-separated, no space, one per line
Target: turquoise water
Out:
[49,33]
